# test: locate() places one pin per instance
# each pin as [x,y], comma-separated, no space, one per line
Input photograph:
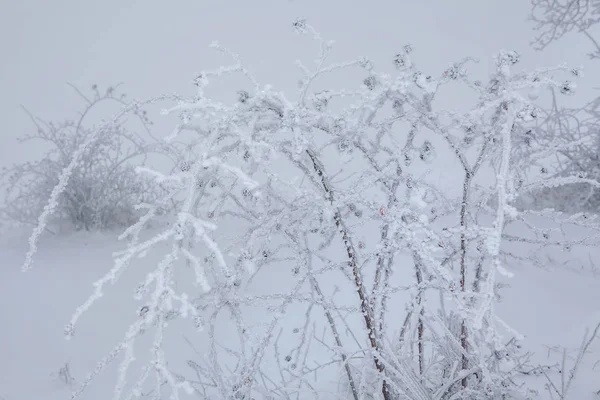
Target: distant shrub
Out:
[104,188]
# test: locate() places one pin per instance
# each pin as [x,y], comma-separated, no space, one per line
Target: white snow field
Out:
[550,307]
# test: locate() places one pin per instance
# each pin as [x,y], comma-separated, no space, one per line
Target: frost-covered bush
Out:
[103,189]
[327,261]
[574,130]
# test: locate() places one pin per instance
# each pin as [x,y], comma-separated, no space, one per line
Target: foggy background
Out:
[157,47]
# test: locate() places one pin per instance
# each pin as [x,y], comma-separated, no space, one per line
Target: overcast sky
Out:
[157,46]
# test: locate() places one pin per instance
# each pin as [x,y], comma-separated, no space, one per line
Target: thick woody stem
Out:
[463,268]
[353,264]
[420,326]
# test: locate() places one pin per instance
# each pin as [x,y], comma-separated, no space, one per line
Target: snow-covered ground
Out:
[550,307]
